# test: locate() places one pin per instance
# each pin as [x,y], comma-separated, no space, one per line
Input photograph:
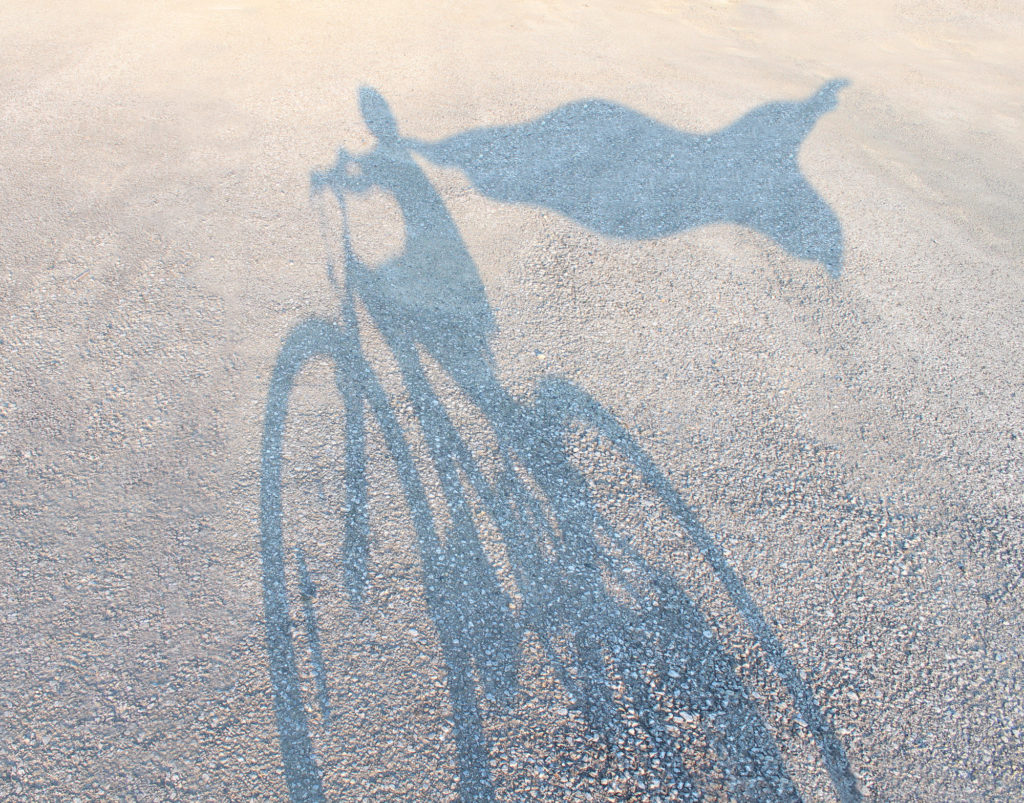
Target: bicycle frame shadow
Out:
[561,547]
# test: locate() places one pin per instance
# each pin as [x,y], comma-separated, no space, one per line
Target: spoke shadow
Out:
[644,645]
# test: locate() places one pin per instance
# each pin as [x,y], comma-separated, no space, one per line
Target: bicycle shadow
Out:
[632,642]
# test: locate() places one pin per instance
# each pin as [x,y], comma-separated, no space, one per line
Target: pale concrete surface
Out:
[853,445]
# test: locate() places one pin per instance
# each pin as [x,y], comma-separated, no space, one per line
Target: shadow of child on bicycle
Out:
[630,648]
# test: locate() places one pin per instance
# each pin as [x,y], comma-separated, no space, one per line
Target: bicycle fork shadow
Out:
[563,588]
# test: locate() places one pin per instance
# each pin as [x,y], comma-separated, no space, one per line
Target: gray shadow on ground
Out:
[611,651]
[625,175]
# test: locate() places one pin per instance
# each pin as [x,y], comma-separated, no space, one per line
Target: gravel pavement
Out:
[521,401]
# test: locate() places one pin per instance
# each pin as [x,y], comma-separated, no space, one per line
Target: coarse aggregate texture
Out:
[850,446]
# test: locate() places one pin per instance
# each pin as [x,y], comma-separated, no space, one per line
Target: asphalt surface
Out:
[534,401]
